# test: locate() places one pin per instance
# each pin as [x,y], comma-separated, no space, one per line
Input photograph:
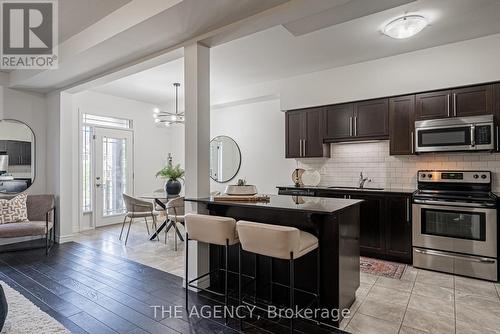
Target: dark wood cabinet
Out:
[371,119]
[398,228]
[433,105]
[357,121]
[19,152]
[304,134]
[402,125]
[339,121]
[25,153]
[385,223]
[294,134]
[3,146]
[371,224]
[472,101]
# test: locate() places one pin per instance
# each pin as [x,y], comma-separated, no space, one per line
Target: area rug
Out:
[24,317]
[381,268]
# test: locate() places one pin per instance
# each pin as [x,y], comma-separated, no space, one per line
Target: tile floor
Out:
[424,302]
[139,248]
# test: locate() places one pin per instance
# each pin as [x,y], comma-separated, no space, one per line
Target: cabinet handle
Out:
[355,125]
[300,147]
[350,126]
[407,210]
[448,104]
[454,104]
[411,140]
[304,143]
[498,148]
[472,136]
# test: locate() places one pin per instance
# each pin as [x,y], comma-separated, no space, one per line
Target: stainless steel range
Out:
[455,223]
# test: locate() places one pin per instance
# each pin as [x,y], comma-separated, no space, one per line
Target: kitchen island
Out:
[334,221]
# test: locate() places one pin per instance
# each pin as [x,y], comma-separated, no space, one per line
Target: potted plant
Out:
[173,174]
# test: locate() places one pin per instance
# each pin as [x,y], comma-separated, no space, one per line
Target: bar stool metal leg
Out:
[186,271]
[292,290]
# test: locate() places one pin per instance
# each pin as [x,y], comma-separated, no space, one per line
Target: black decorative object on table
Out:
[173,187]
[173,174]
[3,308]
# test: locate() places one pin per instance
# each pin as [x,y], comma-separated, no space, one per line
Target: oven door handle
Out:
[469,205]
[454,256]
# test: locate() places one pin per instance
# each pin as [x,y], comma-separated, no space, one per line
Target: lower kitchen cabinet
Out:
[398,228]
[385,224]
[371,224]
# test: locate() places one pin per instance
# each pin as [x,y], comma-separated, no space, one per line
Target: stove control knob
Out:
[483,176]
[475,176]
[422,176]
[429,176]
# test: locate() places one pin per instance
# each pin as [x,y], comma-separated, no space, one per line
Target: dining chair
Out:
[175,214]
[137,208]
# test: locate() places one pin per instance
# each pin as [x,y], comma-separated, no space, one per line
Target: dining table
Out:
[161,199]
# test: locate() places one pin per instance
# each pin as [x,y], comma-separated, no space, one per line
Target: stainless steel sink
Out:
[356,188]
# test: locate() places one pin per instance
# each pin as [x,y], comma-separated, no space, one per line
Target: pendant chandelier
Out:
[168,118]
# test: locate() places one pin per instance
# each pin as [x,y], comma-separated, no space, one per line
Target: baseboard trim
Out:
[65,238]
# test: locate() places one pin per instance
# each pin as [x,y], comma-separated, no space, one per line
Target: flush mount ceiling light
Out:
[168,118]
[405,27]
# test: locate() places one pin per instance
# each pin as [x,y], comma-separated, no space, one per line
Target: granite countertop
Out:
[347,189]
[319,205]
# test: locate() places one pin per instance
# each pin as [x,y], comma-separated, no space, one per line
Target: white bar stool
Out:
[279,242]
[213,230]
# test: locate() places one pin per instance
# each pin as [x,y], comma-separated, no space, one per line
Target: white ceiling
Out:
[276,53]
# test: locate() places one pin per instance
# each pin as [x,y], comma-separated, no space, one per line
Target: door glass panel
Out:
[454,224]
[444,137]
[114,181]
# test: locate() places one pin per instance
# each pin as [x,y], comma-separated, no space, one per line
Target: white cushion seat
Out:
[211,229]
[275,240]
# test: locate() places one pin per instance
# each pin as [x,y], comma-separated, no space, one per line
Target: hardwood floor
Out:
[89,291]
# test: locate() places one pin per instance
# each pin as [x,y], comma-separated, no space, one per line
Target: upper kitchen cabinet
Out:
[294,134]
[357,121]
[433,105]
[339,121]
[460,102]
[402,125]
[472,101]
[304,134]
[371,119]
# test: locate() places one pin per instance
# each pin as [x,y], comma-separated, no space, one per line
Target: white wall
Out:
[455,64]
[259,130]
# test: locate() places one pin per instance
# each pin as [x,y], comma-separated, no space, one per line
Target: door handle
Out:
[454,104]
[411,142]
[498,148]
[472,136]
[453,256]
[407,210]
[448,104]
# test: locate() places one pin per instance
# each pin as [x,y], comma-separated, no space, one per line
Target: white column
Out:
[197,138]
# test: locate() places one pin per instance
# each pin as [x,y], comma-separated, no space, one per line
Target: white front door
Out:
[113,174]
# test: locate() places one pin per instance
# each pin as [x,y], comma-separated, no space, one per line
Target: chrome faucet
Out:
[362,180]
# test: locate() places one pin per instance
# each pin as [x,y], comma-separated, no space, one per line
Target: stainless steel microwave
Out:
[455,134]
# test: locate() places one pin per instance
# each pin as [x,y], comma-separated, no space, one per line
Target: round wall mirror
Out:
[225,159]
[17,157]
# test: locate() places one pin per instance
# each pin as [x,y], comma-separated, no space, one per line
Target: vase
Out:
[173,187]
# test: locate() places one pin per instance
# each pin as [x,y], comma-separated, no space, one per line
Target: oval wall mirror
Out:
[225,159]
[17,157]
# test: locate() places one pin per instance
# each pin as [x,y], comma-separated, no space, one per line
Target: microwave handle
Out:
[472,135]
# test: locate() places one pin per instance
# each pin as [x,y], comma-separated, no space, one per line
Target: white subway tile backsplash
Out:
[349,159]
